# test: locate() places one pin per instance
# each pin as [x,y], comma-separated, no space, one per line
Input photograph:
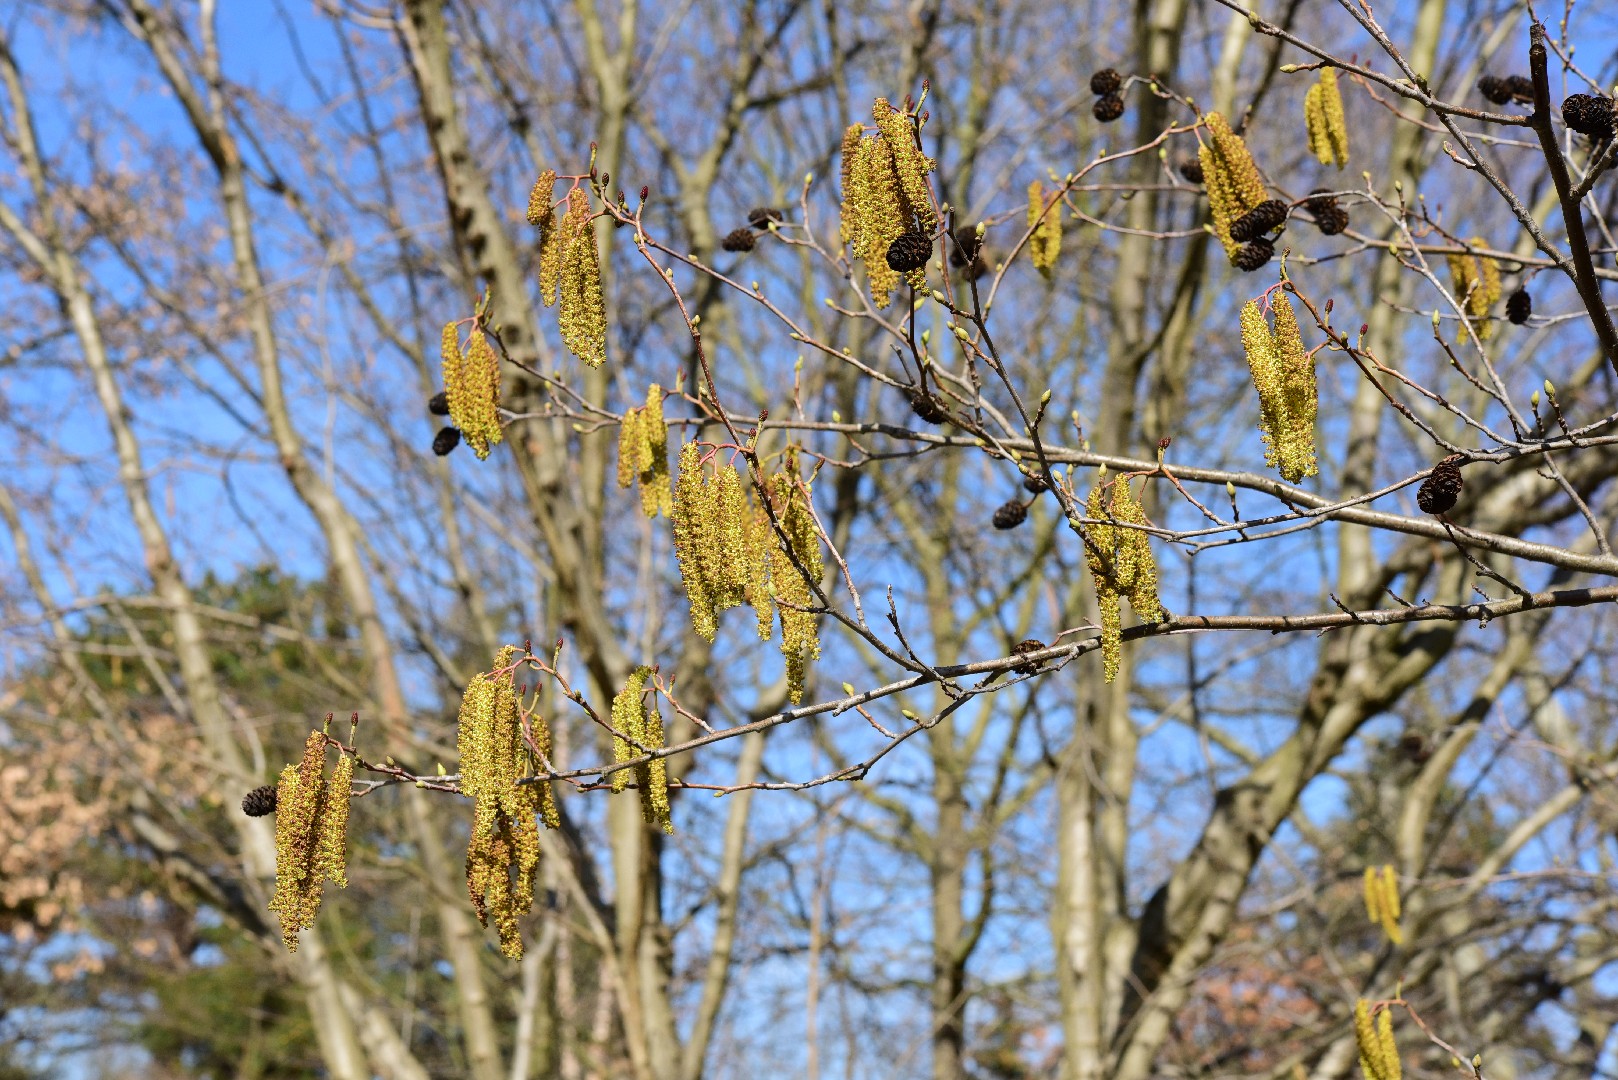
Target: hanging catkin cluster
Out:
[577,278]
[1379,1053]
[503,851]
[1121,565]
[472,387]
[1046,242]
[884,195]
[638,722]
[729,555]
[311,836]
[643,454]
[1477,286]
[1382,901]
[1233,182]
[1323,115]
[1284,375]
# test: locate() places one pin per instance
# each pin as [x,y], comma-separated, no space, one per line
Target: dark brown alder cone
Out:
[1439,491]
[1108,108]
[909,251]
[1330,218]
[446,440]
[1023,648]
[760,216]
[1519,305]
[1253,255]
[1494,89]
[739,240]
[1191,169]
[1267,216]
[926,406]
[1105,81]
[260,801]
[966,246]
[438,404]
[1035,484]
[1588,115]
[1521,88]
[1010,515]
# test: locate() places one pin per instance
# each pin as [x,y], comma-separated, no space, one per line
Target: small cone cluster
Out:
[1232,180]
[1284,376]
[1477,286]
[640,729]
[1382,901]
[503,851]
[1323,115]
[1121,565]
[885,195]
[311,836]
[1379,1053]
[577,278]
[472,387]
[643,454]
[729,555]
[1046,242]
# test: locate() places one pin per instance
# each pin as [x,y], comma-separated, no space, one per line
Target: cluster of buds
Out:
[1284,376]
[1121,565]
[729,555]
[1232,180]
[503,850]
[639,730]
[311,835]
[570,275]
[1382,901]
[1323,115]
[1046,241]
[1379,1053]
[1477,286]
[471,388]
[643,454]
[885,196]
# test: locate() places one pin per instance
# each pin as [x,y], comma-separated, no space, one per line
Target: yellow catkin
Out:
[1046,242]
[1283,373]
[583,314]
[910,165]
[634,455]
[473,393]
[849,222]
[503,851]
[800,636]
[878,214]
[655,494]
[1323,116]
[1389,906]
[726,566]
[1477,287]
[539,200]
[1232,180]
[331,828]
[1121,565]
[652,777]
[299,875]
[1388,1047]
[548,813]
[759,542]
[693,528]
[1366,1041]
[629,721]
[1373,896]
[551,229]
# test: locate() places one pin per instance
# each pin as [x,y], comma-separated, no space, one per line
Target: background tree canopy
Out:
[1165,451]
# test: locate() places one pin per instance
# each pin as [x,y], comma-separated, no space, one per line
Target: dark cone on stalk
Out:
[260,801]
[1504,91]
[926,406]
[1588,115]
[1191,170]
[1519,305]
[438,404]
[1253,255]
[909,251]
[1439,491]
[1106,81]
[1023,648]
[966,247]
[1035,484]
[760,217]
[1330,218]
[1267,216]
[446,440]
[1010,515]
[739,240]
[1108,108]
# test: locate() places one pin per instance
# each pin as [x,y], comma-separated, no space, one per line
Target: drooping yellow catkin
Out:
[1477,287]
[1323,116]
[1365,1039]
[548,813]
[629,721]
[1382,901]
[505,833]
[1121,565]
[583,315]
[849,222]
[652,777]
[759,542]
[726,567]
[1284,375]
[655,494]
[800,635]
[539,199]
[1232,180]
[1389,1048]
[473,393]
[331,826]
[693,529]
[634,454]
[1046,242]
[910,165]
[310,832]
[879,215]
[550,251]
